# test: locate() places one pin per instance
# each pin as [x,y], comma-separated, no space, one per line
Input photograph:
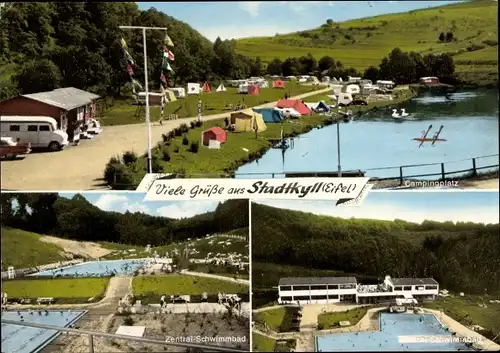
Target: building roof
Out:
[216,130]
[413,281]
[67,98]
[297,281]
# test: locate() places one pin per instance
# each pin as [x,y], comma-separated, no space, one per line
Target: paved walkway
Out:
[81,167]
[221,278]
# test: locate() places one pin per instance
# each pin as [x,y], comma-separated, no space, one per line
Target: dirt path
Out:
[81,248]
[221,278]
[490,184]
[81,167]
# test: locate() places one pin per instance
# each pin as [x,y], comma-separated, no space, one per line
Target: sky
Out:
[134,202]
[463,206]
[238,19]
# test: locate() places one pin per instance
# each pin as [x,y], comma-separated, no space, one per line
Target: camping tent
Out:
[214,133]
[278,84]
[263,84]
[270,115]
[322,107]
[253,90]
[299,106]
[206,87]
[221,88]
[193,88]
[247,120]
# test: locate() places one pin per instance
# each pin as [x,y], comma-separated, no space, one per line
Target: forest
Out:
[462,256]
[78,219]
[48,45]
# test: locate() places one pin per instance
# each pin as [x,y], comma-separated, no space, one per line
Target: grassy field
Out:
[364,42]
[467,311]
[331,320]
[56,288]
[279,319]
[184,285]
[123,112]
[262,343]
[24,249]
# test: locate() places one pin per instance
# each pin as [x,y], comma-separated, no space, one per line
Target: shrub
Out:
[198,123]
[185,140]
[129,157]
[118,176]
[193,125]
[165,137]
[156,166]
[184,128]
[166,154]
[195,146]
[128,321]
[177,132]
[176,149]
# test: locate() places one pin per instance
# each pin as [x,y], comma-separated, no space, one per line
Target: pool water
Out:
[96,268]
[392,327]
[23,339]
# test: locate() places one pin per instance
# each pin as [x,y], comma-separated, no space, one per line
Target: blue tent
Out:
[270,115]
[322,107]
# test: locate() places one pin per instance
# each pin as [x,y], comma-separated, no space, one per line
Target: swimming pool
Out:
[96,268]
[393,327]
[23,339]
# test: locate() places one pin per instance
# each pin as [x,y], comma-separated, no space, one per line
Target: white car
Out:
[289,112]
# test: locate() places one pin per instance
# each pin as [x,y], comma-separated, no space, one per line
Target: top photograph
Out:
[94,96]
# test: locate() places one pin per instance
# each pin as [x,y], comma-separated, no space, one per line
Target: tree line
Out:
[77,44]
[461,257]
[78,219]
[398,66]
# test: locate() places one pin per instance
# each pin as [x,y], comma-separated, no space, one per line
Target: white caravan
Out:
[193,88]
[39,131]
[345,99]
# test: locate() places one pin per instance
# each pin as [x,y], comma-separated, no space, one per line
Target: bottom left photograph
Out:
[110,272]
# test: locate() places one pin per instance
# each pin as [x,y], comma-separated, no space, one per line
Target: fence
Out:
[92,334]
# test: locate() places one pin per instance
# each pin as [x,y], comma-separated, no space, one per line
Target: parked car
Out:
[11,149]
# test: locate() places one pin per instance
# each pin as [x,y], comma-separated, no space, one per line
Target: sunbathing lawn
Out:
[331,320]
[56,288]
[262,343]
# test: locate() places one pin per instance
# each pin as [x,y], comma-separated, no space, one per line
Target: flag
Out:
[123,43]
[168,41]
[130,70]
[166,66]
[163,79]
[168,54]
[128,57]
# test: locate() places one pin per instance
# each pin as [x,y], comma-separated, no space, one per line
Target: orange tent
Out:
[278,84]
[206,87]
[253,90]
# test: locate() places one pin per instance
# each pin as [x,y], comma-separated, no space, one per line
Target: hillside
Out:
[78,219]
[23,249]
[364,42]
[463,256]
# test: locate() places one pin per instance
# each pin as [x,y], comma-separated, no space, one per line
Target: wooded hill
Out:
[78,219]
[462,257]
[46,45]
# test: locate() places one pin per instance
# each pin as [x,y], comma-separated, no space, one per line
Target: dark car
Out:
[359,101]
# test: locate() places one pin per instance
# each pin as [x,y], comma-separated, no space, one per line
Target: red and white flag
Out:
[130,70]
[168,54]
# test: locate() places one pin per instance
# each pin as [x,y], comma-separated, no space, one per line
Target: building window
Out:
[44,128]
[333,286]
[333,296]
[286,299]
[431,287]
[407,288]
[285,287]
[32,128]
[321,287]
[318,297]
[301,288]
[301,297]
[398,288]
[15,128]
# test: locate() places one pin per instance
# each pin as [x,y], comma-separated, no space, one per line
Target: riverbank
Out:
[180,152]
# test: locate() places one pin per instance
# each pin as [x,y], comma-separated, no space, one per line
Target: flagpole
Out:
[146,87]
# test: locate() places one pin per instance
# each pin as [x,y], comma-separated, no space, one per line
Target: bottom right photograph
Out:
[403,271]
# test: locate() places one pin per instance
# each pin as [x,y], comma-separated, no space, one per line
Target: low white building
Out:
[328,290]
[317,290]
[385,84]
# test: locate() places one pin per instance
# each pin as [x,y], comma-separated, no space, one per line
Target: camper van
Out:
[39,131]
[345,99]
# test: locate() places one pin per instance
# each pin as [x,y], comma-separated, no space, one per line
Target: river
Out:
[379,145]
